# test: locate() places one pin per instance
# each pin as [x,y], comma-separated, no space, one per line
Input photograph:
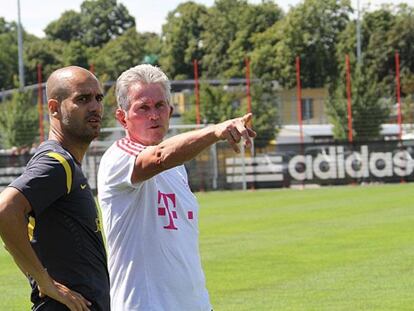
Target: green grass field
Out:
[339,248]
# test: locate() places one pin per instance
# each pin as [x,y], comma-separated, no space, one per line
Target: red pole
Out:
[249,97]
[40,102]
[397,80]
[92,68]
[299,98]
[197,91]
[348,93]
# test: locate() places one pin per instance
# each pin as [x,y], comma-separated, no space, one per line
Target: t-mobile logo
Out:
[164,206]
[167,206]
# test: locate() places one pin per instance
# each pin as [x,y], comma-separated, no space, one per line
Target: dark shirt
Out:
[67,235]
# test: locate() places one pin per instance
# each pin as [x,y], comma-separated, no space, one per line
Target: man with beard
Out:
[48,216]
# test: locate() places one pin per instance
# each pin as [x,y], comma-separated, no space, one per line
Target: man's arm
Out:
[13,230]
[184,147]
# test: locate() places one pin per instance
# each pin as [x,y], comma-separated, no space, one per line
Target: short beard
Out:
[80,135]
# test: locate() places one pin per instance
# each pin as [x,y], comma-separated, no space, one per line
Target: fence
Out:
[285,165]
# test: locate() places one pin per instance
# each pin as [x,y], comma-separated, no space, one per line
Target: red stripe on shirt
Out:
[134,145]
[129,146]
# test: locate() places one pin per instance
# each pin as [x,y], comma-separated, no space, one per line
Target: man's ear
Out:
[53,106]
[120,115]
[171,110]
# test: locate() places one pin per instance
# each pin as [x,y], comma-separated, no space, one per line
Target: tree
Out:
[235,22]
[75,53]
[45,52]
[384,42]
[103,20]
[384,31]
[265,49]
[8,60]
[120,54]
[152,47]
[376,26]
[182,40]
[369,109]
[219,103]
[8,52]
[66,28]
[98,22]
[109,105]
[18,121]
[401,39]
[264,103]
[311,31]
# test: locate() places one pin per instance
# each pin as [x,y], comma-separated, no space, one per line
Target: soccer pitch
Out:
[338,248]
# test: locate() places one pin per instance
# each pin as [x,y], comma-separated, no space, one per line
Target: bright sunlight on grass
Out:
[339,248]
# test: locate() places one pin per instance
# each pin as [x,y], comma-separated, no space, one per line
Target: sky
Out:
[149,15]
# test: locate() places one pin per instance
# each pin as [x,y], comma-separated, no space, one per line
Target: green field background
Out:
[332,248]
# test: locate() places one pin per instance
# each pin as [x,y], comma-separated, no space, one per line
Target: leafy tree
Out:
[264,103]
[398,38]
[75,53]
[376,55]
[263,55]
[120,54]
[7,27]
[103,20]
[234,22]
[369,109]
[109,105]
[182,39]
[8,54]
[258,19]
[310,30]
[384,31]
[152,47]
[407,87]
[98,22]
[45,52]
[66,28]
[219,103]
[18,121]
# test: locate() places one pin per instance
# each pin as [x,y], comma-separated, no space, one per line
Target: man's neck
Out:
[76,148]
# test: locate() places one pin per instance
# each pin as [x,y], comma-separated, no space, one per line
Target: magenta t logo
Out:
[164,201]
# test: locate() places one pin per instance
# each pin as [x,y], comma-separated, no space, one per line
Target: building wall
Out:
[313,106]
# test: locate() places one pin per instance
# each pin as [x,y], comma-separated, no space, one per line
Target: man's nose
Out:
[154,114]
[96,105]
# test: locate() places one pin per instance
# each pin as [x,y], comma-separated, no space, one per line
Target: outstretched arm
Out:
[184,147]
[13,230]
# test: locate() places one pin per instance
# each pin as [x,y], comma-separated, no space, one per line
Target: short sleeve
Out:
[115,171]
[45,179]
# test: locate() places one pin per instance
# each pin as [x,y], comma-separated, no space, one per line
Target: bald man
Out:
[48,216]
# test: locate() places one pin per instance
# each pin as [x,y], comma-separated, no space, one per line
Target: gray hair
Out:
[144,73]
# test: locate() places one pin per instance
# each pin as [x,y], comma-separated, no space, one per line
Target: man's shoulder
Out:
[124,147]
[51,155]
[53,149]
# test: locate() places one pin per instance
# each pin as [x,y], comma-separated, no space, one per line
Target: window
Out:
[307,108]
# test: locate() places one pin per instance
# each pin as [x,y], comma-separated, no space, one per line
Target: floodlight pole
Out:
[20,48]
[358,34]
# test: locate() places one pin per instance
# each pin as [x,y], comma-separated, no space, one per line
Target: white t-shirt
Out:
[152,236]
